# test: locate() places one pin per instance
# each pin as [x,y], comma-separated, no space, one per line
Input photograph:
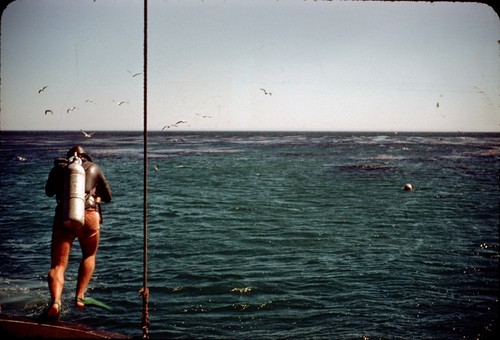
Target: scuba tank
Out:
[74,194]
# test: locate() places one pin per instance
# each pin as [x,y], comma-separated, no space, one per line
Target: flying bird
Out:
[42,89]
[89,101]
[120,103]
[203,116]
[71,109]
[87,134]
[134,74]
[265,92]
[48,111]
[175,125]
[176,140]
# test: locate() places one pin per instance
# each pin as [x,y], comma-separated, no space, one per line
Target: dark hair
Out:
[79,151]
[77,148]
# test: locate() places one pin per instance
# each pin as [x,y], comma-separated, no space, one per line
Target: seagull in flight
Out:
[169,126]
[265,92]
[134,74]
[89,101]
[121,102]
[71,109]
[175,125]
[42,89]
[203,116]
[48,111]
[176,140]
[87,134]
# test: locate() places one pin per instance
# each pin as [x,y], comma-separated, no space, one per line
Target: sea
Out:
[267,235]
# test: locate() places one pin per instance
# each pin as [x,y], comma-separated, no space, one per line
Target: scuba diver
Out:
[79,187]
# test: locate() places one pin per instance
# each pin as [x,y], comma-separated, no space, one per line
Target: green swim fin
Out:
[93,302]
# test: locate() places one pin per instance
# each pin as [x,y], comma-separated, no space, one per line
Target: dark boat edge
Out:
[24,327]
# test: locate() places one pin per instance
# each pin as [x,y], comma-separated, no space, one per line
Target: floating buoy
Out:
[408,187]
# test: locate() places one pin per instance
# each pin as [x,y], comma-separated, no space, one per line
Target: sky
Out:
[325,65]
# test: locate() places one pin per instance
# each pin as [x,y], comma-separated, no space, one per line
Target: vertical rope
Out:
[145,291]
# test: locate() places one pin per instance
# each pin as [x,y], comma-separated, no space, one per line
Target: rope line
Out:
[144,292]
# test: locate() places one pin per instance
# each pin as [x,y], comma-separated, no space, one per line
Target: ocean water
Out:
[269,235]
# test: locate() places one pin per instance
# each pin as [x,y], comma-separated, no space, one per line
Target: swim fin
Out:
[93,302]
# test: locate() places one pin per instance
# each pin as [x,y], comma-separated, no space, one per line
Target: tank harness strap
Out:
[89,199]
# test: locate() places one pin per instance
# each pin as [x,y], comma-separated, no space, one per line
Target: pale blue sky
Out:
[330,66]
